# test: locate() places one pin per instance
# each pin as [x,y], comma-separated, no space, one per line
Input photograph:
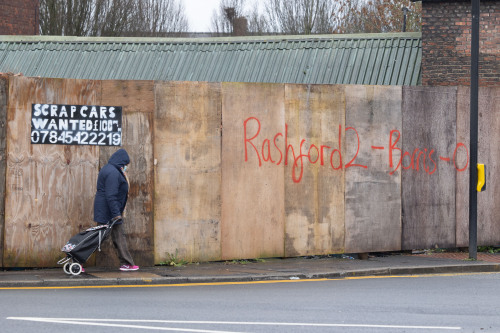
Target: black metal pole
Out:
[405,12]
[474,92]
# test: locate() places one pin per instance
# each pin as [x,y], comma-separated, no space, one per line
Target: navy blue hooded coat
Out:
[112,188]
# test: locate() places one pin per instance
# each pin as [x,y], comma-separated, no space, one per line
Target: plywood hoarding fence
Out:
[226,171]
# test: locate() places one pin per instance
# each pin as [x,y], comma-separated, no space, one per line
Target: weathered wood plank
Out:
[49,188]
[4,84]
[489,154]
[314,201]
[372,191]
[134,96]
[253,217]
[137,101]
[428,194]
[488,208]
[188,171]
[462,160]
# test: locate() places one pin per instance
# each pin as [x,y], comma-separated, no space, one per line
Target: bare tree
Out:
[280,16]
[354,16]
[258,23]
[301,16]
[50,13]
[159,18]
[112,17]
[69,17]
[223,18]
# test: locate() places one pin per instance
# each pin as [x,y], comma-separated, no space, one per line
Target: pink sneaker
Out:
[127,268]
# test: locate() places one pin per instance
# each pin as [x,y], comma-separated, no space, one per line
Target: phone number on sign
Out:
[76,138]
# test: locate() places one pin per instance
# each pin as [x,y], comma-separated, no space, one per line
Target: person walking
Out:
[110,201]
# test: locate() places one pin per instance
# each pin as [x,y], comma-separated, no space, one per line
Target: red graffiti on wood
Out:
[419,159]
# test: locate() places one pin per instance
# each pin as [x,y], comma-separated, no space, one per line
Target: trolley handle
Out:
[111,223]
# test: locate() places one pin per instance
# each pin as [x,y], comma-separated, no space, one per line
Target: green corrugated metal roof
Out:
[374,59]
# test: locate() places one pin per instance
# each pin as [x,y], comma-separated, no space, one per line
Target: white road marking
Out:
[100,322]
[85,322]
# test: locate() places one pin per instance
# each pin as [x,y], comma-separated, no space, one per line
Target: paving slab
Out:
[258,270]
[125,275]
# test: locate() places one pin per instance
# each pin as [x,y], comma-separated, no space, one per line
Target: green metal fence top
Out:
[373,59]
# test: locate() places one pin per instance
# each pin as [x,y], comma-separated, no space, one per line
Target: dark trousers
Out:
[120,243]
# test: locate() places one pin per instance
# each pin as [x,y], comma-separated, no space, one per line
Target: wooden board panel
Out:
[462,191]
[429,125]
[314,200]
[4,84]
[488,208]
[188,171]
[252,185]
[137,100]
[489,154]
[372,189]
[49,188]
[134,96]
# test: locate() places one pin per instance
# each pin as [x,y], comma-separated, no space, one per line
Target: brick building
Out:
[19,17]
[446,42]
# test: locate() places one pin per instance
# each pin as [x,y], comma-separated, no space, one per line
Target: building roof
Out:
[373,59]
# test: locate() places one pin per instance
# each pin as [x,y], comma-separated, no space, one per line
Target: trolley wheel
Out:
[75,268]
[66,268]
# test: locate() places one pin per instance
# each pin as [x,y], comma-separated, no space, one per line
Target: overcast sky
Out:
[199,13]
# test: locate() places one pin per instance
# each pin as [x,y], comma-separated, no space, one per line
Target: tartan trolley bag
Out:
[81,246]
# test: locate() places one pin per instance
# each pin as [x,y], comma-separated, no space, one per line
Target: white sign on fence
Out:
[76,124]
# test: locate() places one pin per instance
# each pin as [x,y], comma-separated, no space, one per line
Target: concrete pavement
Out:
[337,266]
